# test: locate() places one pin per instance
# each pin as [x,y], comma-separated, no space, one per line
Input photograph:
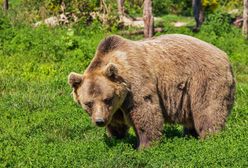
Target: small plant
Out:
[218,23]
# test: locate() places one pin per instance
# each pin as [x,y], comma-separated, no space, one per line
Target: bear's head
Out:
[100,93]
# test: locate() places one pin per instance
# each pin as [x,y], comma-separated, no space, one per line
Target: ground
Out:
[41,126]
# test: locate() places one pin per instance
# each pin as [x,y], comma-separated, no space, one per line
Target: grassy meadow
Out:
[41,126]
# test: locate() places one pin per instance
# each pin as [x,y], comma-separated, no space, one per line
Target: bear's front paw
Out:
[143,146]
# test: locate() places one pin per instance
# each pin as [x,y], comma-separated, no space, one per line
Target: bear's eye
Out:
[89,104]
[108,101]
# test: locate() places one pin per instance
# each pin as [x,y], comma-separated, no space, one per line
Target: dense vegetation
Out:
[41,126]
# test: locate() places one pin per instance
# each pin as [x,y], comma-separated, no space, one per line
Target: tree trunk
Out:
[62,6]
[198,14]
[245,19]
[103,7]
[5,5]
[121,8]
[148,19]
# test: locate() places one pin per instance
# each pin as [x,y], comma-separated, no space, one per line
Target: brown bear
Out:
[143,84]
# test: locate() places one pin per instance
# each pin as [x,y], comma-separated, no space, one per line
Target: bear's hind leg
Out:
[210,116]
[211,100]
[208,123]
[204,126]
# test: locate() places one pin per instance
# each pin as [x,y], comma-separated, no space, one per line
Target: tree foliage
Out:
[85,10]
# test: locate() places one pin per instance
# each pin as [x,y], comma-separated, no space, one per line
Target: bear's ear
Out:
[111,71]
[75,79]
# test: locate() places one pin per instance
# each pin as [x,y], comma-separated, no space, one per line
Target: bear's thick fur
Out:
[143,84]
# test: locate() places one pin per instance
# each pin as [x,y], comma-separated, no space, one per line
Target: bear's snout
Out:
[100,122]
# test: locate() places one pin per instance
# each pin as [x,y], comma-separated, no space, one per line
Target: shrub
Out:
[218,23]
[172,7]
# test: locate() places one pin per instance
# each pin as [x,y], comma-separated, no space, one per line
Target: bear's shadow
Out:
[129,139]
[170,132]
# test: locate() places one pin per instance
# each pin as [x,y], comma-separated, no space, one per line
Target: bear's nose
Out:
[100,122]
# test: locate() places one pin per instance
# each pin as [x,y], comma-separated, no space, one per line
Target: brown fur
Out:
[171,78]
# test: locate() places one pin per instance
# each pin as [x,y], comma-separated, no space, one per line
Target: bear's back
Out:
[184,49]
[173,56]
[177,55]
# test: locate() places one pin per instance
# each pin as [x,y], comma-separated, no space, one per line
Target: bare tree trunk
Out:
[198,14]
[245,17]
[148,19]
[103,7]
[62,6]
[121,8]
[104,12]
[5,5]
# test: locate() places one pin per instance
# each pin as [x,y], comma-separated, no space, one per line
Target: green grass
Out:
[41,126]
